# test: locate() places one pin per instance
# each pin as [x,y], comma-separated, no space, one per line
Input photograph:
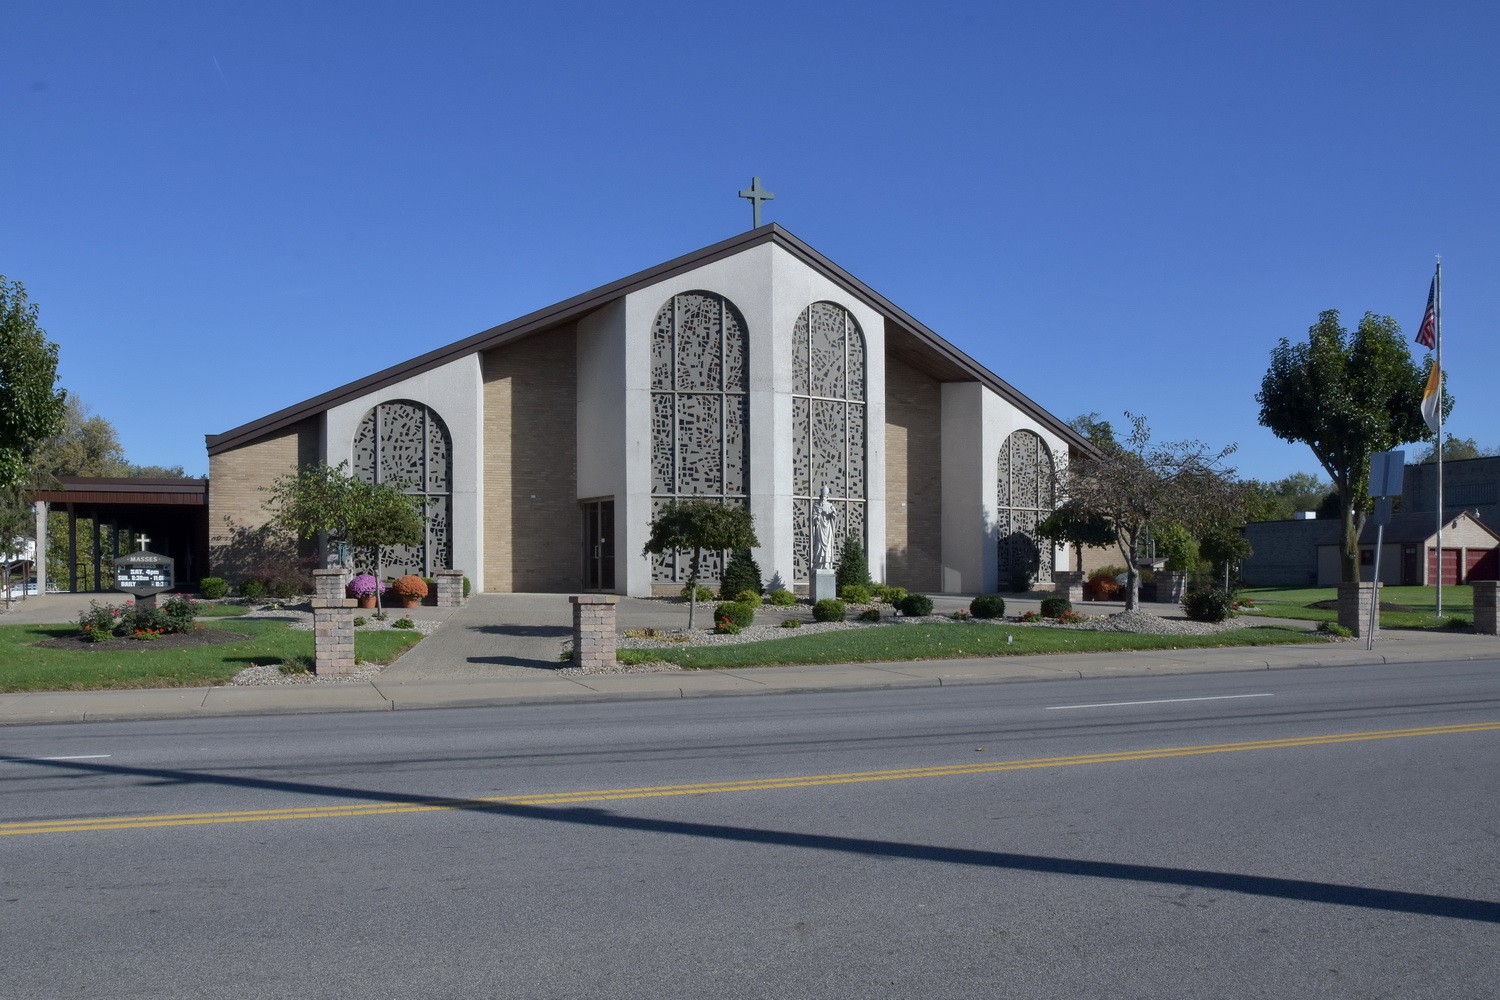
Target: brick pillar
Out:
[1069,583]
[1354,609]
[333,636]
[594,631]
[1171,586]
[450,588]
[1486,606]
[329,584]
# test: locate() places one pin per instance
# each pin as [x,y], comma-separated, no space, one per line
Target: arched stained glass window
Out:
[406,444]
[1025,498]
[700,414]
[828,426]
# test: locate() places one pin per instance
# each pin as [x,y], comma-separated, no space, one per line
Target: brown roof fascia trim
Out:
[578,305]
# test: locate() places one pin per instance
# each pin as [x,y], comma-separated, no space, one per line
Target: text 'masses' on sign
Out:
[144,573]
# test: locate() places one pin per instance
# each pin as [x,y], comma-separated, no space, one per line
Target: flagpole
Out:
[1438,333]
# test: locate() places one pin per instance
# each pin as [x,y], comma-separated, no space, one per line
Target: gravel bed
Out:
[299,616]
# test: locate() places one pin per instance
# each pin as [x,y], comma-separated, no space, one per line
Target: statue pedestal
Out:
[823,587]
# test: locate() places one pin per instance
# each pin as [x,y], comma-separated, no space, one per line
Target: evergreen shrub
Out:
[1054,605]
[915,605]
[213,587]
[253,589]
[853,568]
[783,598]
[742,615]
[869,615]
[828,610]
[740,575]
[987,606]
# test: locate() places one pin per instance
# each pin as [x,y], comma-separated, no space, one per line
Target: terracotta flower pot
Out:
[367,601]
[410,602]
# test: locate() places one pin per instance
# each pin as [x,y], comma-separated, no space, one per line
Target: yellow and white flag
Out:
[1432,399]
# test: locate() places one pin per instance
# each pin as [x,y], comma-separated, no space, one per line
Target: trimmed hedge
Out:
[1055,605]
[987,606]
[915,605]
[828,610]
[742,615]
[213,587]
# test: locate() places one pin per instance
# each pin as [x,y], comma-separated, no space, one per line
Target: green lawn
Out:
[1292,602]
[125,663]
[941,642]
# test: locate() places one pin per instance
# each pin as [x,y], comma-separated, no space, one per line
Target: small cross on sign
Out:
[757,194]
[141,540]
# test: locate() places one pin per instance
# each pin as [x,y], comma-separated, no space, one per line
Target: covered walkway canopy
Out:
[171,513]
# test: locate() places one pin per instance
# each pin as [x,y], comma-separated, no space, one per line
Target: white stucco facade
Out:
[455,393]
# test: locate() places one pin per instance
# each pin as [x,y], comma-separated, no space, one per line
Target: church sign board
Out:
[145,573]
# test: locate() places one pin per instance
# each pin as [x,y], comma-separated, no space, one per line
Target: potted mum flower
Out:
[364,589]
[411,590]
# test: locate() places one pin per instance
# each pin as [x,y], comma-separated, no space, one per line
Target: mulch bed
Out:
[176,640]
[1334,606]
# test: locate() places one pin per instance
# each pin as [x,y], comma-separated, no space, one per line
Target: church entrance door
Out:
[599,545]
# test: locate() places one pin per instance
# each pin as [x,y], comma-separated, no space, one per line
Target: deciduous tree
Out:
[31,406]
[1347,396]
[697,526]
[1141,485]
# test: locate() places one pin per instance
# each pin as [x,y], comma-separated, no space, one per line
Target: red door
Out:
[1483,564]
[1450,567]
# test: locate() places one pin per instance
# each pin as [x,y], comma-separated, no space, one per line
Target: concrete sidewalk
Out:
[502,650]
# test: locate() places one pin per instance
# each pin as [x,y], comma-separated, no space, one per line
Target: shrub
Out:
[855,593]
[297,665]
[1032,616]
[466,587]
[253,588]
[783,598]
[285,588]
[358,621]
[750,597]
[1068,616]
[888,595]
[853,568]
[704,594]
[828,610]
[987,606]
[431,582]
[98,623]
[723,626]
[869,615]
[364,585]
[1020,580]
[1335,629]
[213,587]
[792,623]
[1458,621]
[1212,604]
[915,605]
[404,622]
[1054,605]
[740,575]
[410,588]
[742,615]
[961,616]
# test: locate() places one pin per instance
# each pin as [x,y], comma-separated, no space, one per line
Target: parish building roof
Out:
[906,338]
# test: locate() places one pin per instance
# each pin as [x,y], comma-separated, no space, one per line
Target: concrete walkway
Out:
[502,649]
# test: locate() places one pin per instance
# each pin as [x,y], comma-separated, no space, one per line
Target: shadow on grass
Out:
[1301,890]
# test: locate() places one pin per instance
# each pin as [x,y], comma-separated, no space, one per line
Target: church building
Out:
[753,372]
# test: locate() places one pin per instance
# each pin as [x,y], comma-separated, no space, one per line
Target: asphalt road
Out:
[1311,833]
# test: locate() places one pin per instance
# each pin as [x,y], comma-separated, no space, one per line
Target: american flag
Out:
[1427,336]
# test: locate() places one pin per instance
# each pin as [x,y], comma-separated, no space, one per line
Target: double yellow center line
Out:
[385,808]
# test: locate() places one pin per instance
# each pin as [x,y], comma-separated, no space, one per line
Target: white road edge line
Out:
[81,756]
[1159,701]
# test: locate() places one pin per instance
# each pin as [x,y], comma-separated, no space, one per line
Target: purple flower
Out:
[365,585]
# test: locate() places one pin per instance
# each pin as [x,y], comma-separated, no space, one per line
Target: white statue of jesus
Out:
[825,515]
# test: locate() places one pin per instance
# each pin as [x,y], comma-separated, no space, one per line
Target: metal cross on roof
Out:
[757,194]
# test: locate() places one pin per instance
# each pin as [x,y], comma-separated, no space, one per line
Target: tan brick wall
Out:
[235,502]
[530,435]
[913,477]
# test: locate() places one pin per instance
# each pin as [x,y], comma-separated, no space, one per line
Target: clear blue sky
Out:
[226,209]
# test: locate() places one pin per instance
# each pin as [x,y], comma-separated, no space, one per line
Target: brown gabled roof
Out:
[577,306]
